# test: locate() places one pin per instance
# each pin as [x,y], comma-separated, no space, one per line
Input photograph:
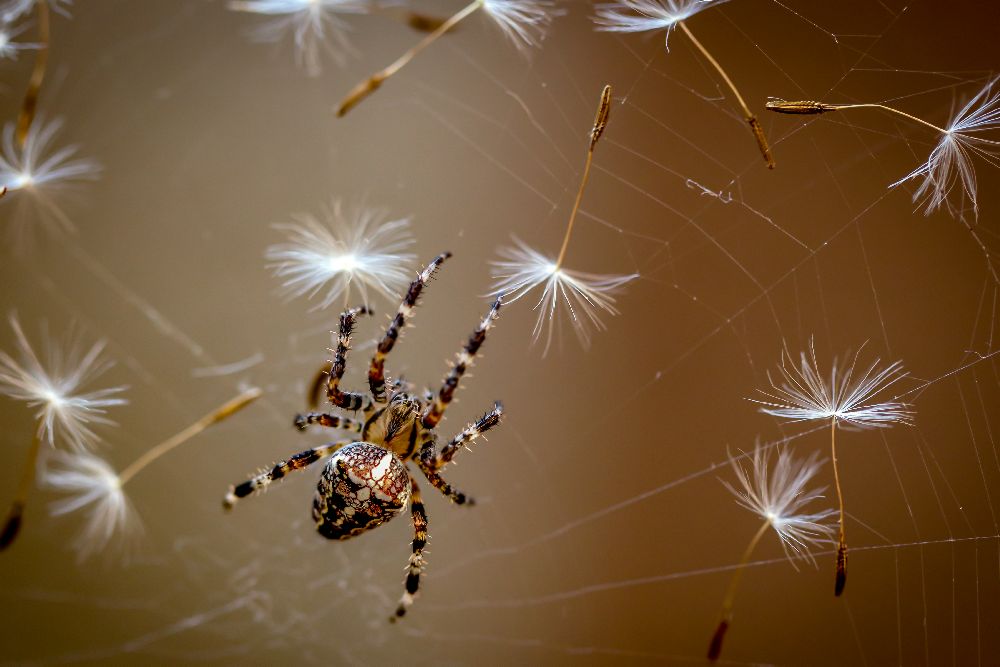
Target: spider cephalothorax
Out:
[366,482]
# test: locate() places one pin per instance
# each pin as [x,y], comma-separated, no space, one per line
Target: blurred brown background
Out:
[207,138]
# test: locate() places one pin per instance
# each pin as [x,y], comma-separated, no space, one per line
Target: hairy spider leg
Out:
[317,388]
[302,421]
[376,371]
[318,385]
[446,489]
[417,561]
[264,479]
[341,399]
[433,413]
[430,461]
[469,435]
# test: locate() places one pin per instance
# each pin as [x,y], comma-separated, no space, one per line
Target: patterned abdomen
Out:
[362,487]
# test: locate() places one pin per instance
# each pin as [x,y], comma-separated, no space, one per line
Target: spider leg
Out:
[444,487]
[330,421]
[376,371]
[341,399]
[417,562]
[264,479]
[317,388]
[433,413]
[430,461]
[469,435]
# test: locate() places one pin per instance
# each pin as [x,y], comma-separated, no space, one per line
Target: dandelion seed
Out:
[949,167]
[351,247]
[63,412]
[36,176]
[950,162]
[523,21]
[646,15]
[91,484]
[779,496]
[800,107]
[521,269]
[848,398]
[313,24]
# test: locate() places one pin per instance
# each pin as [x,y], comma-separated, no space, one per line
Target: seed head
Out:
[64,413]
[779,495]
[350,247]
[525,22]
[949,167]
[846,397]
[91,485]
[582,295]
[643,15]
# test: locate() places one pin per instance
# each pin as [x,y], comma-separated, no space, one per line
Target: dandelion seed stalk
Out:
[600,123]
[89,483]
[375,81]
[221,413]
[581,294]
[749,116]
[778,495]
[848,396]
[30,104]
[12,525]
[841,577]
[726,617]
[810,107]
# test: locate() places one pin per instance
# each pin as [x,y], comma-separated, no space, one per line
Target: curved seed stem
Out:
[715,646]
[600,123]
[891,110]
[372,83]
[30,104]
[748,116]
[224,411]
[12,524]
[841,578]
[814,108]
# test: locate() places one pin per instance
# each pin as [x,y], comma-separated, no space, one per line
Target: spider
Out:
[366,481]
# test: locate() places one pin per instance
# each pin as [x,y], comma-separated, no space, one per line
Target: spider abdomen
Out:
[362,487]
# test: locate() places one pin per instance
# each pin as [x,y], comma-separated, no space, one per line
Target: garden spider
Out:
[366,482]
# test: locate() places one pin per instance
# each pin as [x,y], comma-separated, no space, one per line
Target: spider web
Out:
[602,533]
